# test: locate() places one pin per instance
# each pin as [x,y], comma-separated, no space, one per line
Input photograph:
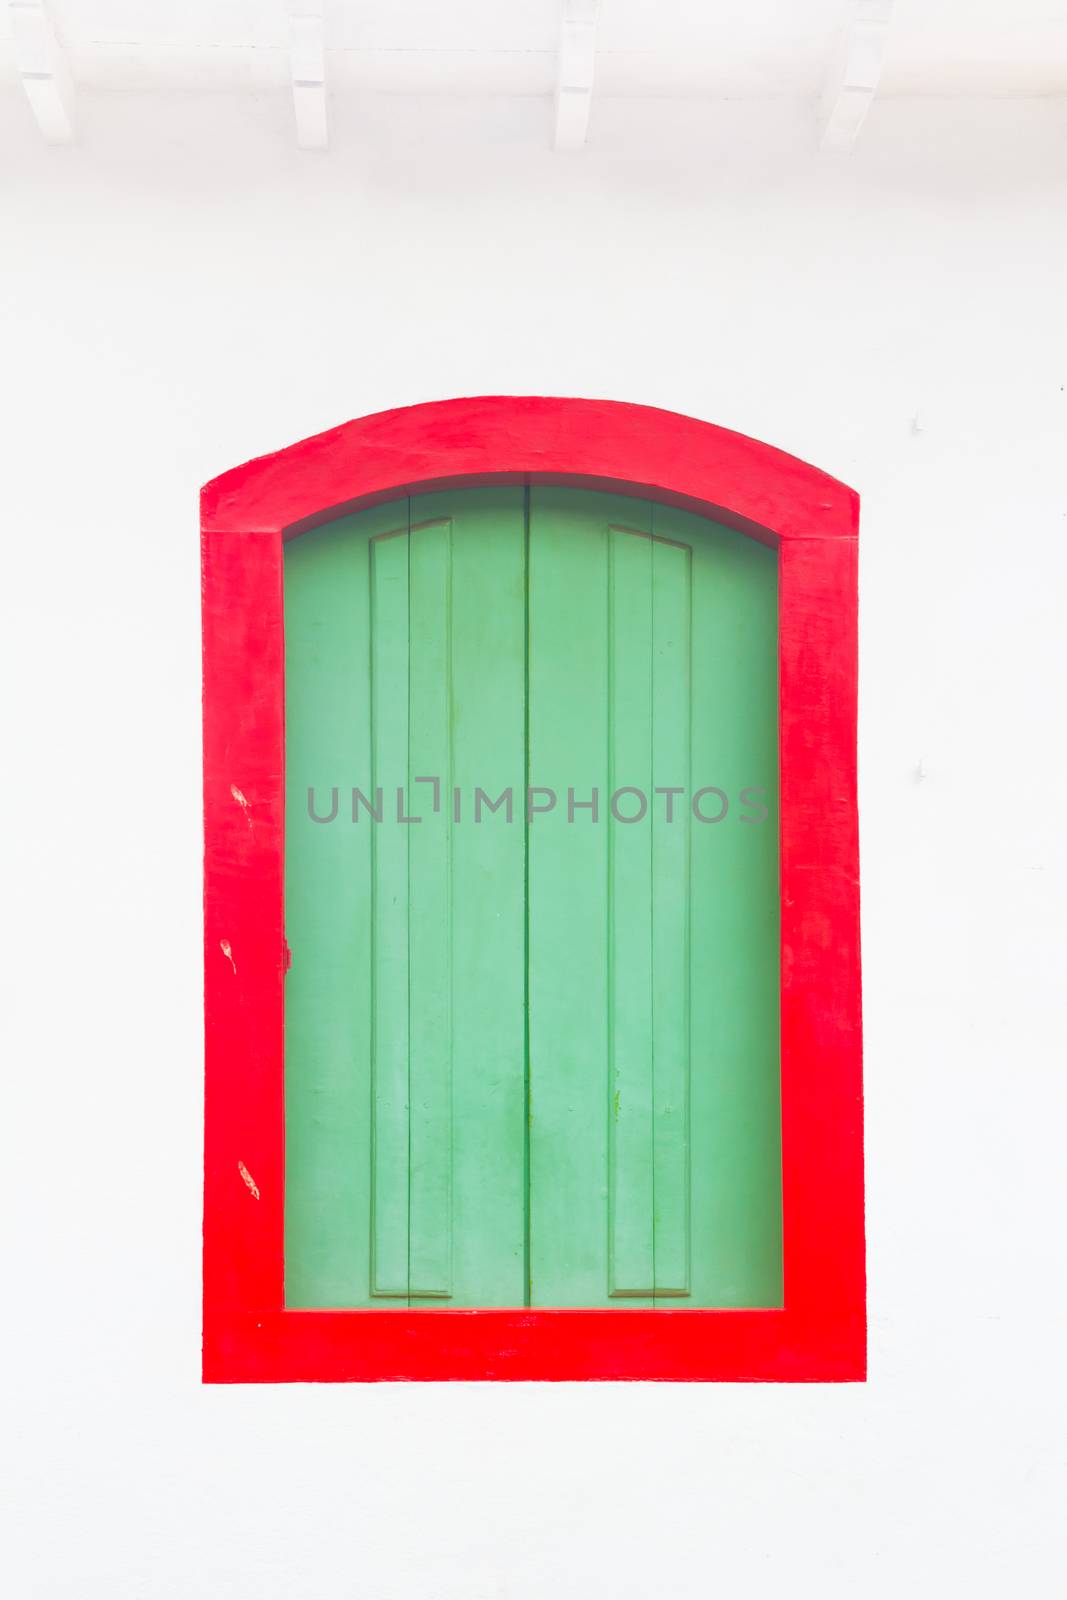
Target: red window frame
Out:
[811,519]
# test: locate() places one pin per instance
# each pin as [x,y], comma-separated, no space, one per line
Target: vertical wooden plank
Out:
[328,912]
[671,822]
[390,928]
[567,902]
[571,1091]
[735,1079]
[631,1197]
[488,894]
[429,843]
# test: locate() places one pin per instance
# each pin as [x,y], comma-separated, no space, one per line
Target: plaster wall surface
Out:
[183,290]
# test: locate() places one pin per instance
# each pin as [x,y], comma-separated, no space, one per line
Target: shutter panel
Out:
[532,1061]
[405,1029]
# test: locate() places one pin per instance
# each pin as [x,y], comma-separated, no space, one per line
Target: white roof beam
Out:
[574,82]
[43,70]
[307,66]
[853,78]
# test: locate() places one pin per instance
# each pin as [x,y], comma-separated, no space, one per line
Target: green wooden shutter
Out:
[531,1062]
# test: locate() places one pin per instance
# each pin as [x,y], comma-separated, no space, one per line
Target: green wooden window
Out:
[531,1058]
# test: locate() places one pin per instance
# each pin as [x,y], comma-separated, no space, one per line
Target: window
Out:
[583,1039]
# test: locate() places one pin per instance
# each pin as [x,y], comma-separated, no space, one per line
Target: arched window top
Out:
[607,443]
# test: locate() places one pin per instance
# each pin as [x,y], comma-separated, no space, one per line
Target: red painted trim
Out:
[820,1334]
[634,448]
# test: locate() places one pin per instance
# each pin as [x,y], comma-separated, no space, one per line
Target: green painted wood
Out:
[734,1078]
[631,1186]
[531,1060]
[672,713]
[653,949]
[430,1155]
[568,899]
[486,927]
[405,1026]
[390,928]
[328,1010]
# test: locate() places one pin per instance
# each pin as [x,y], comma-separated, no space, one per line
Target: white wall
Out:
[184,290]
